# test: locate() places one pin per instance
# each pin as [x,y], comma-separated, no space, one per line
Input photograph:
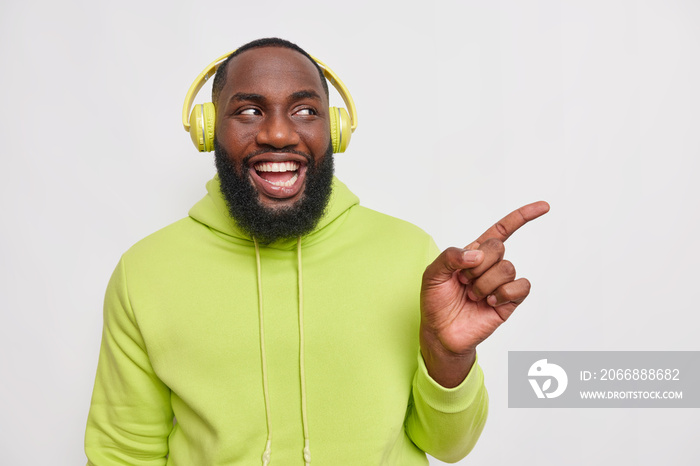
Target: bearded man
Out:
[283,323]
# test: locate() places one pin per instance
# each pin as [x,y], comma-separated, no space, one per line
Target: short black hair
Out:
[221,72]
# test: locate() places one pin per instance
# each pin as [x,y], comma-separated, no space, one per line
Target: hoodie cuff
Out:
[449,400]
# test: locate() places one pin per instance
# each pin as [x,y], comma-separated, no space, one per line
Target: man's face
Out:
[273,150]
[272,121]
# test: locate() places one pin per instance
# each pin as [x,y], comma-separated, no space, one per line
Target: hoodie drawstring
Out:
[302,375]
[268,447]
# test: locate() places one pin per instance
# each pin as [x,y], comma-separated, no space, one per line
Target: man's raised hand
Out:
[466,294]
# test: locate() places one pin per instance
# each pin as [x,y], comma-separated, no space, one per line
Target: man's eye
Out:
[249,111]
[306,112]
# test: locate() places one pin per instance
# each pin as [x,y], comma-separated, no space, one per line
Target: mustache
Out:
[271,150]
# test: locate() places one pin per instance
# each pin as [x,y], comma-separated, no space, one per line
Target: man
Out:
[281,322]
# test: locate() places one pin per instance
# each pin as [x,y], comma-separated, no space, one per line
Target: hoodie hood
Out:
[213,212]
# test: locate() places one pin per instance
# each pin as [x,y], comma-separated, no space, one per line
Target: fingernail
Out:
[491,300]
[472,255]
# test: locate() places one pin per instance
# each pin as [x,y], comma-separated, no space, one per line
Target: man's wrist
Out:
[447,368]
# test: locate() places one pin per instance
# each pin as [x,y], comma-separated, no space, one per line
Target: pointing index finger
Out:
[510,223]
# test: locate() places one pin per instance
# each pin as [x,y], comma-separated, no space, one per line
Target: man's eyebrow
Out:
[243,97]
[305,94]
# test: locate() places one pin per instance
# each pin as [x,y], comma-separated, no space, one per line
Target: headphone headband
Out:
[210,70]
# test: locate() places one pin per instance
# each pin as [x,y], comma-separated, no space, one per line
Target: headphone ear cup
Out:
[340,129]
[202,124]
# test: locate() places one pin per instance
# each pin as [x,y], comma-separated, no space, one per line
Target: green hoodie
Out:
[182,339]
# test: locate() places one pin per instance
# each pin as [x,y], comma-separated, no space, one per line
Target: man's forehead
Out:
[272,64]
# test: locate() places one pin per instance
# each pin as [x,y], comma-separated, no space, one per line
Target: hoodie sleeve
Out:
[130,415]
[447,422]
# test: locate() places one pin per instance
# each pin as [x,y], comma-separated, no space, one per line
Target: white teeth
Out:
[277,166]
[284,184]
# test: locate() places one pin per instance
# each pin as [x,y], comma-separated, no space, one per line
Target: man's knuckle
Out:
[502,228]
[494,244]
[508,269]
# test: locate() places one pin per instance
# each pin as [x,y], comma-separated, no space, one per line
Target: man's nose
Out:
[278,131]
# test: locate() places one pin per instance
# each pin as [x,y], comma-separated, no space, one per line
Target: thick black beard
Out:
[269,225]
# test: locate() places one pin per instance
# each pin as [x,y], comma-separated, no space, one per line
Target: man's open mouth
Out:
[283,174]
[278,175]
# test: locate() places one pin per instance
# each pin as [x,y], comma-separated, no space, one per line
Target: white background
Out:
[467,111]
